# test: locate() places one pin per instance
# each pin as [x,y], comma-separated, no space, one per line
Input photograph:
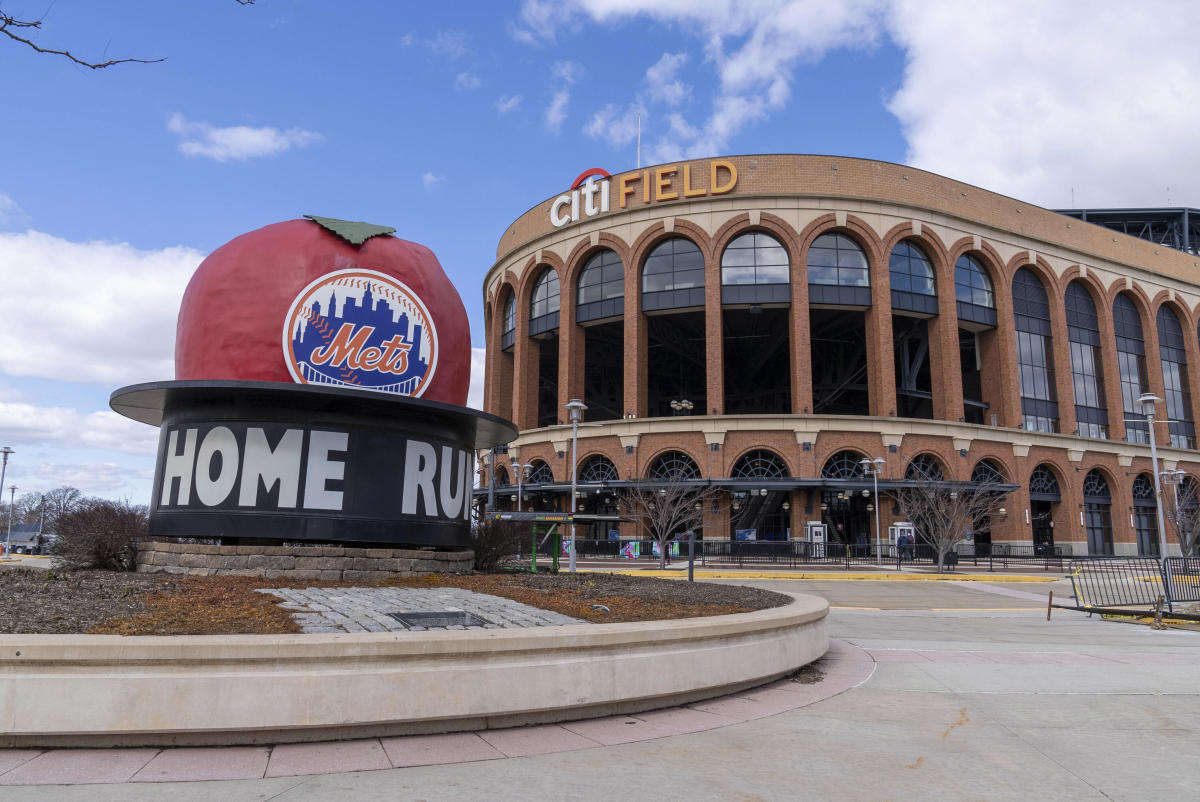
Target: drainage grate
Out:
[431,620]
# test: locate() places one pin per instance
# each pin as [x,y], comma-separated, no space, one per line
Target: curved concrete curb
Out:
[843,667]
[107,690]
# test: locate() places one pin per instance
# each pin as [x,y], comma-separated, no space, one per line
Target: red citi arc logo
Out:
[360,328]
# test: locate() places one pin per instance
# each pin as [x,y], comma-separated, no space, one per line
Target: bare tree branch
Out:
[944,514]
[667,508]
[8,24]
[1182,509]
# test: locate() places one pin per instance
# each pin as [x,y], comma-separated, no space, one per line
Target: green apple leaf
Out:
[356,233]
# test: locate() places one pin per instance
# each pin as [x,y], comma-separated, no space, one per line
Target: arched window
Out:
[501,476]
[838,272]
[924,468]
[973,292]
[1145,516]
[1031,312]
[543,303]
[1173,353]
[987,472]
[601,287]
[673,466]
[509,321]
[843,465]
[1097,508]
[1087,375]
[540,473]
[754,258]
[759,464]
[1043,486]
[598,468]
[673,276]
[910,270]
[1131,361]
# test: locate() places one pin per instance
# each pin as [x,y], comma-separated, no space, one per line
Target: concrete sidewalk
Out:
[963,703]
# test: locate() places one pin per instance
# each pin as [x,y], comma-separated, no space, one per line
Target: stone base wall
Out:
[328,563]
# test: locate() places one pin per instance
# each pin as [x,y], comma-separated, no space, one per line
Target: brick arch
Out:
[930,243]
[652,236]
[644,468]
[788,463]
[855,228]
[533,270]
[1115,486]
[1005,463]
[824,455]
[941,460]
[1140,300]
[584,250]
[777,227]
[1055,470]
[1182,313]
[1090,283]
[985,254]
[1040,267]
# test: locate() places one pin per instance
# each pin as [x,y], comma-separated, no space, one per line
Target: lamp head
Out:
[575,409]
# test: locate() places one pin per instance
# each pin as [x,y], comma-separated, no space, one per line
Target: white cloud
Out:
[89,311]
[1033,99]
[540,19]
[235,143]
[429,180]
[450,45]
[467,80]
[566,73]
[29,424]
[662,79]
[104,478]
[475,394]
[754,47]
[506,103]
[615,125]
[11,215]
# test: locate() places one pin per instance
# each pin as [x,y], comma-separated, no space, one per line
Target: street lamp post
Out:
[3,470]
[12,495]
[873,467]
[575,409]
[1147,402]
[520,470]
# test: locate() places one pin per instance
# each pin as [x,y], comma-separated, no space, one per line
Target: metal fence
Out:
[1134,582]
[795,553]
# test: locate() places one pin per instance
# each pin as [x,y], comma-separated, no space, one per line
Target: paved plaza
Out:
[966,692]
[372,609]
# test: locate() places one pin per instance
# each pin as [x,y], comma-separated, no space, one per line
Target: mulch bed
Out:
[35,601]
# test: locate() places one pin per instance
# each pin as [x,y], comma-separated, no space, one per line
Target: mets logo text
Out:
[359,328]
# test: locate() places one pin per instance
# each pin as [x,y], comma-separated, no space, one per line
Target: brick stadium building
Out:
[766,322]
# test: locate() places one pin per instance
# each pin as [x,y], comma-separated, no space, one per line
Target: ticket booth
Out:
[815,535]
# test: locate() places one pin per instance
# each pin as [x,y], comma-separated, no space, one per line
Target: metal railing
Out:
[795,553]
[1134,582]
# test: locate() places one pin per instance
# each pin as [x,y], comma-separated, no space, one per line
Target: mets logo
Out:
[360,328]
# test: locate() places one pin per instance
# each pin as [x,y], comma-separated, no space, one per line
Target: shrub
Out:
[496,542]
[100,534]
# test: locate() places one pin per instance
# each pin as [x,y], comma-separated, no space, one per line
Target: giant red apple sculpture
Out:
[327,302]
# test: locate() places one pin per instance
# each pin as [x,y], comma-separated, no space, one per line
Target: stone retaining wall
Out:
[299,562]
[113,690]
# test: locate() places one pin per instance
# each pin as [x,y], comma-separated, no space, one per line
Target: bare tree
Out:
[100,534]
[1182,509]
[668,507]
[58,502]
[945,513]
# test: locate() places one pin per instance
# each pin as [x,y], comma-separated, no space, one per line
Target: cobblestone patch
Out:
[319,610]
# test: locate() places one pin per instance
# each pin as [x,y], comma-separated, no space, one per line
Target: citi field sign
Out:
[592,192]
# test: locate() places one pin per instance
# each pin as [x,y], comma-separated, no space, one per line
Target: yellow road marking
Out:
[844,577]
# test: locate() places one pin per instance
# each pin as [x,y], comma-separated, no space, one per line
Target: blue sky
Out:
[449,120]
